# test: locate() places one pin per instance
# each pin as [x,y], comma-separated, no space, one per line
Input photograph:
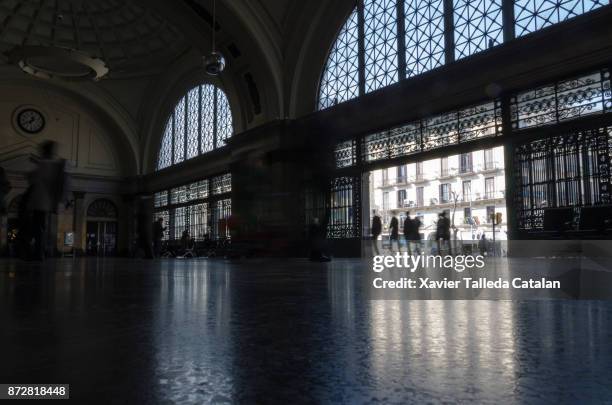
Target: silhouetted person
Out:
[185,240]
[414,237]
[482,245]
[376,231]
[316,235]
[394,233]
[443,232]
[44,194]
[407,230]
[158,234]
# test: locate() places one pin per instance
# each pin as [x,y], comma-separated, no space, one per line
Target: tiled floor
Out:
[254,331]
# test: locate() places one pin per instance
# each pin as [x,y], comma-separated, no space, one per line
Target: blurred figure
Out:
[185,239]
[407,230]
[376,231]
[144,215]
[414,236]
[158,234]
[43,196]
[443,232]
[482,245]
[394,233]
[316,235]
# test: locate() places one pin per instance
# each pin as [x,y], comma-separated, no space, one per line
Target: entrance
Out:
[102,226]
[101,238]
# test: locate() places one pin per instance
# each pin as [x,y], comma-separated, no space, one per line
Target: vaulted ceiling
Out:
[274,48]
[129,37]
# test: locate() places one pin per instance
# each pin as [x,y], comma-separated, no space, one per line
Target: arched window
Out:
[200,122]
[384,41]
[102,208]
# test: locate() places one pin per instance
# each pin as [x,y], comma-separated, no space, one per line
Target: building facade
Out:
[469,187]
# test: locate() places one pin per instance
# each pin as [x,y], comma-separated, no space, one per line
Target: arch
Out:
[200,122]
[384,41]
[98,104]
[102,208]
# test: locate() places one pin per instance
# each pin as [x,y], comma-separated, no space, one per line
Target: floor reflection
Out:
[198,331]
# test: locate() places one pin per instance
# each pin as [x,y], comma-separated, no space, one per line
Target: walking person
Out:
[376,231]
[415,235]
[145,231]
[408,225]
[43,196]
[158,234]
[443,232]
[394,233]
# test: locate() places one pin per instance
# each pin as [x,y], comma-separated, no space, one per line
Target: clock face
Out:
[30,121]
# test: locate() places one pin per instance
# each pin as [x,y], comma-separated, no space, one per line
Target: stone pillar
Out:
[3,234]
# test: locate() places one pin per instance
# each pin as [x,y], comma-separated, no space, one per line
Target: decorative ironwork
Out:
[440,131]
[200,122]
[194,208]
[395,142]
[424,35]
[224,118]
[345,208]
[197,190]
[561,101]
[478,26]
[193,116]
[102,208]
[165,215]
[571,170]
[221,216]
[222,184]
[160,199]
[178,195]
[199,223]
[465,125]
[380,43]
[340,81]
[179,131]
[165,153]
[207,118]
[346,154]
[479,121]
[531,15]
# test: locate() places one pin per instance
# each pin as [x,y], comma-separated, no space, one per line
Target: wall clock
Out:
[30,121]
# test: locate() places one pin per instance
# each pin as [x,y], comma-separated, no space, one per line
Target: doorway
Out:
[102,228]
[101,238]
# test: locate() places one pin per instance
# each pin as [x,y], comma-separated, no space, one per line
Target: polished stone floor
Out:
[263,332]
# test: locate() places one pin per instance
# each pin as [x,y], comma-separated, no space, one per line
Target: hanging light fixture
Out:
[214,63]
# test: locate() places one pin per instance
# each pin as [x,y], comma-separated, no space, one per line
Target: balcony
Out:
[447,173]
[483,197]
[488,167]
[401,180]
[418,178]
[386,183]
[466,170]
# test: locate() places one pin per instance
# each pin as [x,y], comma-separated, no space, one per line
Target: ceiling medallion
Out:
[54,62]
[214,63]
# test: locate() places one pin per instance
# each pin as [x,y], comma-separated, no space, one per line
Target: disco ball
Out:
[214,63]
